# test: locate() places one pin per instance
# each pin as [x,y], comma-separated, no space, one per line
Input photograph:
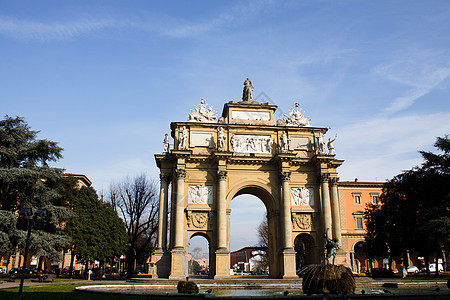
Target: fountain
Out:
[328,278]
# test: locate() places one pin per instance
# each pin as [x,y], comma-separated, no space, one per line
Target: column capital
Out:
[165,177]
[334,180]
[324,177]
[285,176]
[180,173]
[222,175]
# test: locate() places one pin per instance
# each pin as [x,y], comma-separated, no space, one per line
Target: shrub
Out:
[187,287]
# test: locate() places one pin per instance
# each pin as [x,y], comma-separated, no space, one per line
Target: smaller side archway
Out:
[305,250]
[199,254]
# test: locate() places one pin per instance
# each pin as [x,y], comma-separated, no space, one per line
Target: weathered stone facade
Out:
[247,151]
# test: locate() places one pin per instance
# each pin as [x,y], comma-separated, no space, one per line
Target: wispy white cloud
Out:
[383,147]
[52,31]
[421,72]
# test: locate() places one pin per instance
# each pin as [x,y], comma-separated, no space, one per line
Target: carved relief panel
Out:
[199,220]
[302,196]
[302,221]
[200,194]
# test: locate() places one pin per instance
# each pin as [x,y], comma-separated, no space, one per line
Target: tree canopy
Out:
[96,231]
[414,210]
[26,180]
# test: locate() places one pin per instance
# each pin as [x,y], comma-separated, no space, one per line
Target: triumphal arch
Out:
[286,163]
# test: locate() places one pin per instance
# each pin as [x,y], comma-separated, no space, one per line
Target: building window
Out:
[375,199]
[357,198]
[359,223]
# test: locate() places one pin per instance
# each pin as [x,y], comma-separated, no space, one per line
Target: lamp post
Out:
[27,215]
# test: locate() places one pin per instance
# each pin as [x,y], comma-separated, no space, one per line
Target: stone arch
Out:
[260,191]
[306,250]
[254,188]
[210,248]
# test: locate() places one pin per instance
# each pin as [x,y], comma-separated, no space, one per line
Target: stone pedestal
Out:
[341,258]
[162,259]
[288,261]
[222,264]
[179,264]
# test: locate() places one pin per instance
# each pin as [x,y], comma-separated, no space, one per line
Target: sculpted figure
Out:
[166,144]
[296,117]
[183,138]
[284,142]
[220,139]
[201,113]
[320,144]
[269,145]
[330,146]
[331,247]
[248,90]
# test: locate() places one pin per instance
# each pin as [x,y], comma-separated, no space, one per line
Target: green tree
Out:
[26,180]
[414,210]
[96,231]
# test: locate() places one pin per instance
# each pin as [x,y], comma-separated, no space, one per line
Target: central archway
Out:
[260,192]
[248,245]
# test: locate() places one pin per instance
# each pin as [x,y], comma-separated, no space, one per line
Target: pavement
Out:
[16,283]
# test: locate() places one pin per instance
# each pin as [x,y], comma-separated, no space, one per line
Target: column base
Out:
[288,264]
[178,264]
[162,263]
[222,264]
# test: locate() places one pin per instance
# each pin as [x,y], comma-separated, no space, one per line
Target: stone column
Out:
[326,205]
[162,256]
[163,205]
[221,207]
[336,213]
[222,253]
[179,209]
[287,251]
[178,254]
[286,210]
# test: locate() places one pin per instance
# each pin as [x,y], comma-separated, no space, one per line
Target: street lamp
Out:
[39,220]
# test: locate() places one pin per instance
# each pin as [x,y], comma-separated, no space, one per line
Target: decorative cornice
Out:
[361,184]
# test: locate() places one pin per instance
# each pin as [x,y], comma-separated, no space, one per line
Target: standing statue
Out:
[220,139]
[320,144]
[248,90]
[330,146]
[183,138]
[331,247]
[284,142]
[166,144]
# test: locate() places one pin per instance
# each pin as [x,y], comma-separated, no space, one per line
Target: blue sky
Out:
[106,78]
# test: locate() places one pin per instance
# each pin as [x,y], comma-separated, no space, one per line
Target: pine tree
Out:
[26,180]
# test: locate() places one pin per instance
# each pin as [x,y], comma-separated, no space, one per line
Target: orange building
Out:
[354,196]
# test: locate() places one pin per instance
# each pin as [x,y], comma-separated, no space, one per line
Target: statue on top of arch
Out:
[296,117]
[202,114]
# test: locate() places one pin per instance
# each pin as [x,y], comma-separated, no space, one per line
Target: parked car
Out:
[432,268]
[412,269]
